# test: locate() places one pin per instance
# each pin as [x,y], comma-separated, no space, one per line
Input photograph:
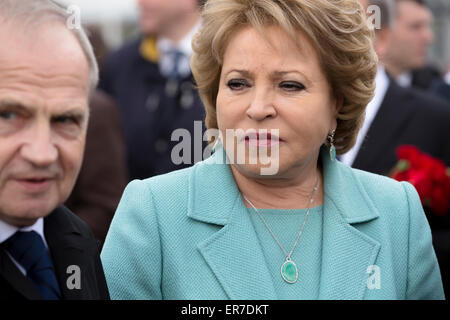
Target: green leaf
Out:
[403,165]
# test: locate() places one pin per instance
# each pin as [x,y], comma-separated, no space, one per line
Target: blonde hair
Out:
[337,30]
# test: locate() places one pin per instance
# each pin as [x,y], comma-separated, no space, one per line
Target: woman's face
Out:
[274,85]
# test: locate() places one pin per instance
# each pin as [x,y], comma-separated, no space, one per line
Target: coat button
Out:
[152,102]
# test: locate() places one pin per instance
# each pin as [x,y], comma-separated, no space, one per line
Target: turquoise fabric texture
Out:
[187,235]
[307,255]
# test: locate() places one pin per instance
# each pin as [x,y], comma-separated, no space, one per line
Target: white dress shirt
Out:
[7,230]
[404,80]
[165,45]
[382,84]
[447,78]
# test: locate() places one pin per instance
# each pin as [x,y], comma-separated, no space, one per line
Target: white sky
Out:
[104,10]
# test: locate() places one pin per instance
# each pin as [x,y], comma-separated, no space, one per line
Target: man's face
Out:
[44,85]
[411,36]
[156,16]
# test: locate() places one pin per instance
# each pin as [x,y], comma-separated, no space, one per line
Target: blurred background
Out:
[115,21]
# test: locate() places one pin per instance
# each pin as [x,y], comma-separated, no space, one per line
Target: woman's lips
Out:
[262,140]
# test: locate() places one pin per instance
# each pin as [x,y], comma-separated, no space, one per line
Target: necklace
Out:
[289,271]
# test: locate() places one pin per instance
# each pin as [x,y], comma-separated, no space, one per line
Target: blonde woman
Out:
[303,71]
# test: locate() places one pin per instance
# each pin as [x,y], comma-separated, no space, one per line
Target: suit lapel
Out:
[391,118]
[233,253]
[16,279]
[347,252]
[67,248]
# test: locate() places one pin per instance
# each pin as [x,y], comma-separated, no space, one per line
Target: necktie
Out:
[176,57]
[29,250]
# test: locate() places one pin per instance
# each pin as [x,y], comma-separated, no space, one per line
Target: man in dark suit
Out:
[151,81]
[46,74]
[403,116]
[406,55]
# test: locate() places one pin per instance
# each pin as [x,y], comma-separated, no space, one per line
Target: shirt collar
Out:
[405,79]
[7,230]
[447,78]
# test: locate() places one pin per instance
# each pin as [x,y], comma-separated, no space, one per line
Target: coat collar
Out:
[347,252]
[67,244]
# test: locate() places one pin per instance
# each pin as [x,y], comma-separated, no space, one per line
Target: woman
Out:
[302,70]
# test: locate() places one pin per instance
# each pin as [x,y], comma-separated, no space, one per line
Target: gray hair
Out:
[32,13]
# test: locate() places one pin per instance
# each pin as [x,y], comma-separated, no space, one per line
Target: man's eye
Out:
[292,86]
[237,84]
[65,120]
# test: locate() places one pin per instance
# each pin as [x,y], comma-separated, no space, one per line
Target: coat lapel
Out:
[347,252]
[233,253]
[67,248]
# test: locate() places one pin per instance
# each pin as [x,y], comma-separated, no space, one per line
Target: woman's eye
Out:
[292,86]
[7,115]
[237,84]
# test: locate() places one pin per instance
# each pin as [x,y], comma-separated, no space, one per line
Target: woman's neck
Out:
[282,193]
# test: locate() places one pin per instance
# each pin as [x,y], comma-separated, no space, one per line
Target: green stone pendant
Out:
[289,271]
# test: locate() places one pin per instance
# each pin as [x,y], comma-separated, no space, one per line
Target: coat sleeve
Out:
[424,278]
[131,255]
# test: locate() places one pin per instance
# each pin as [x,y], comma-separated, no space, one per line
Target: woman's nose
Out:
[262,105]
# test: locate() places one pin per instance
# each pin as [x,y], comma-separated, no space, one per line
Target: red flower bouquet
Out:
[429,176]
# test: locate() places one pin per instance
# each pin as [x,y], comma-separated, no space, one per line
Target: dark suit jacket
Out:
[70,242]
[441,88]
[103,175]
[410,116]
[149,115]
[424,78]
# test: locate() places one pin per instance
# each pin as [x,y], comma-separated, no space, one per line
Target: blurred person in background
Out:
[151,81]
[103,175]
[442,88]
[403,116]
[46,76]
[407,52]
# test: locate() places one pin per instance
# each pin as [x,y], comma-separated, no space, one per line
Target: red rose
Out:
[428,175]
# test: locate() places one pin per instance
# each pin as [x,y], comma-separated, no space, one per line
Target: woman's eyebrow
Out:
[245,73]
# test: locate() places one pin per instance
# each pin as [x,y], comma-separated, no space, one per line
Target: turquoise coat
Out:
[187,235]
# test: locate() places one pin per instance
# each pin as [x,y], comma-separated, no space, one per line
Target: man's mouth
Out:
[35,184]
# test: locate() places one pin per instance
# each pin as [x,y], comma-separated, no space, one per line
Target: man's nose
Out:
[261,105]
[38,148]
